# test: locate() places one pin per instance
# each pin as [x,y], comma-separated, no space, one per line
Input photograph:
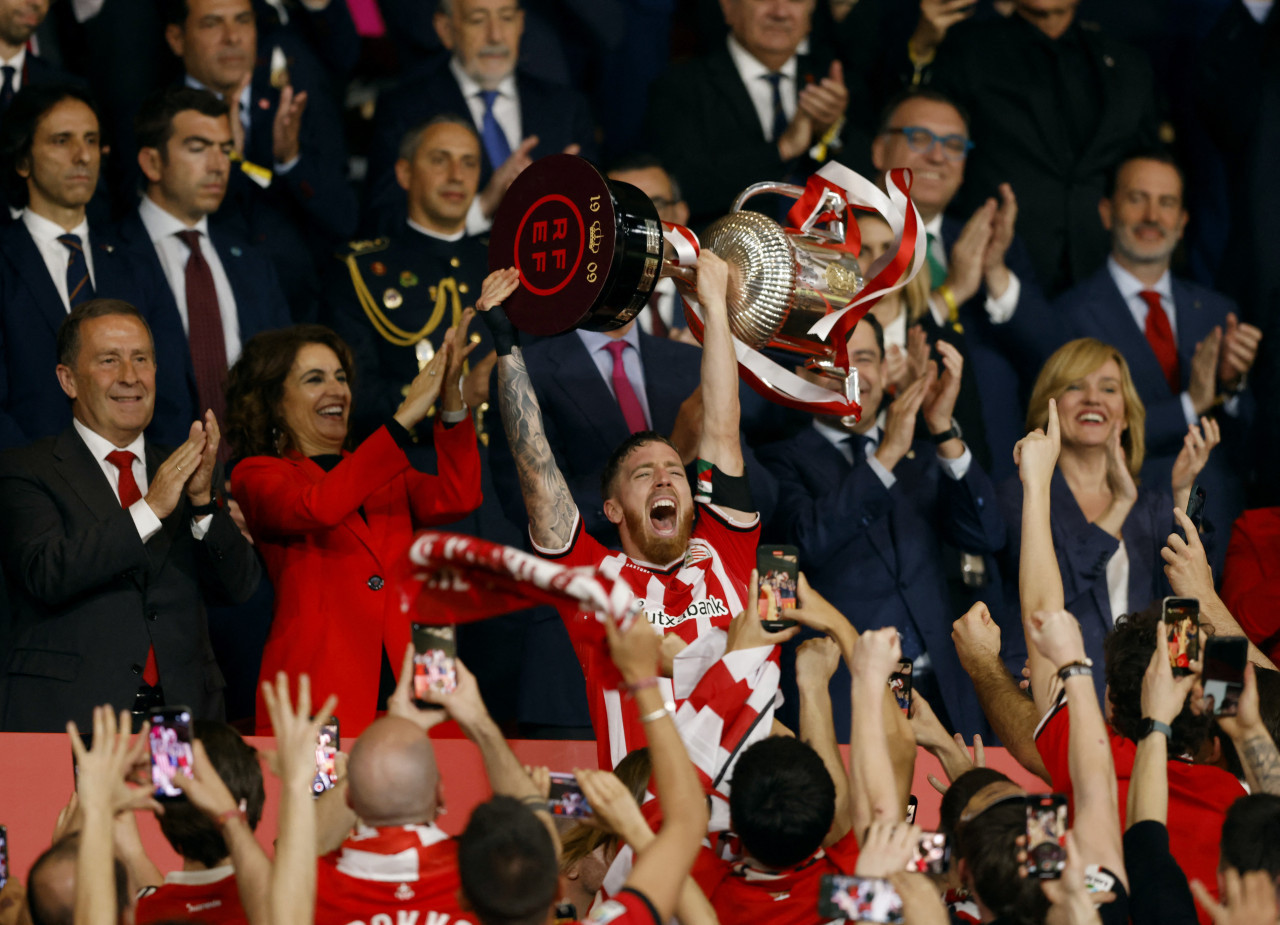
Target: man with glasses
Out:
[983,291]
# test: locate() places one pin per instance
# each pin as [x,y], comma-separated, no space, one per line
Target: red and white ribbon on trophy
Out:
[889,273]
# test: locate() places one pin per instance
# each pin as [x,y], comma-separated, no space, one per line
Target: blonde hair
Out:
[915,294]
[1072,362]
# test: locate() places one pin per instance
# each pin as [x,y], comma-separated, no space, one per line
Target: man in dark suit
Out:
[868,508]
[1055,103]
[289,194]
[587,411]
[51,261]
[983,290]
[119,539]
[223,291]
[19,20]
[1186,349]
[752,110]
[517,116]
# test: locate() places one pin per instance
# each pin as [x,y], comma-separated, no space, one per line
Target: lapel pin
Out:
[264,103]
[392,298]
[236,252]
[408,279]
[1108,61]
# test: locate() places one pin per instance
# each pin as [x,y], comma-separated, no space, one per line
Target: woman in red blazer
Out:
[330,523]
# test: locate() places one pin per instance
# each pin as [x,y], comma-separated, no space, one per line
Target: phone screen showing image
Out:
[932,854]
[859,899]
[566,799]
[900,684]
[4,856]
[1224,660]
[912,805]
[779,571]
[1182,623]
[434,651]
[327,746]
[1046,835]
[171,752]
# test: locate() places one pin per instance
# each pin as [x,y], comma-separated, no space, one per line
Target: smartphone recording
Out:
[434,650]
[1182,624]
[859,899]
[566,799]
[1046,835]
[778,568]
[327,746]
[171,750]
[900,684]
[1224,661]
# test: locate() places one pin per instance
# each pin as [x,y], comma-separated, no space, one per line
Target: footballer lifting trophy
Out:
[590,251]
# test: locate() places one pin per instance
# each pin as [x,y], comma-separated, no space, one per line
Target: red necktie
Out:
[204,332]
[129,493]
[1160,337]
[632,413]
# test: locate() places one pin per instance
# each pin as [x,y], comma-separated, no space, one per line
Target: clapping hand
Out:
[1196,447]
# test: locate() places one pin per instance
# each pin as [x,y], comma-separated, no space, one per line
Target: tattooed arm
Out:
[1254,745]
[552,512]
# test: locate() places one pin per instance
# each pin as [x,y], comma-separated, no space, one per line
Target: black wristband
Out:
[203,510]
[504,333]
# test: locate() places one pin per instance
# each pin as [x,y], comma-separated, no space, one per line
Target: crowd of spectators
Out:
[250,341]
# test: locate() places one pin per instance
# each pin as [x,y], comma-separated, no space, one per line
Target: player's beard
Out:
[659,549]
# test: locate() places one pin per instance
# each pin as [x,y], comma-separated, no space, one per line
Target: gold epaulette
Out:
[359,248]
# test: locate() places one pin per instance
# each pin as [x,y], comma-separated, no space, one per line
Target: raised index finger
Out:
[1053,432]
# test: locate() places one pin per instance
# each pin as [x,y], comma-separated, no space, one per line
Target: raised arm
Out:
[661,869]
[1254,745]
[816,662]
[1056,635]
[873,788]
[552,513]
[720,443]
[1039,581]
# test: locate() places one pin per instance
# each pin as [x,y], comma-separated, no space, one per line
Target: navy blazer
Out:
[1083,550]
[1095,308]
[260,302]
[875,553]
[558,115]
[1003,370]
[584,424]
[32,403]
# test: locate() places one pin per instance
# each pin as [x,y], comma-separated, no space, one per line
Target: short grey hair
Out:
[413,138]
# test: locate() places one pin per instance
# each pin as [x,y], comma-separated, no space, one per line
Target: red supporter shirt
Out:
[1199,796]
[744,895]
[207,896]
[1251,577]
[405,874]
[705,589]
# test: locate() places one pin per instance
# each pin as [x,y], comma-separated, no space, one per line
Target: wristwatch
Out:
[952,431]
[1084,667]
[1154,725]
[202,510]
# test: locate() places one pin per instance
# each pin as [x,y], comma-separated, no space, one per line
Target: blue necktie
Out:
[79,286]
[495,140]
[779,114]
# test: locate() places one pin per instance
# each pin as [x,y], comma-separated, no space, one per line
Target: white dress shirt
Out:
[1118,582]
[998,310]
[17,62]
[163,228]
[597,344]
[1130,287]
[420,229]
[753,75]
[669,306]
[56,255]
[956,468]
[144,519]
[506,112]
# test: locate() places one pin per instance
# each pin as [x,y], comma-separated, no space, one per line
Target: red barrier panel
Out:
[36,781]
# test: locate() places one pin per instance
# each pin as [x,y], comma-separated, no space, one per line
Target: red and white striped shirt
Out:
[704,590]
[399,874]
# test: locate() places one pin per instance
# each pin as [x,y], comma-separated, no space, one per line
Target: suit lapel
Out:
[831,467]
[353,521]
[232,265]
[263,101]
[29,266]
[660,388]
[579,380]
[1194,322]
[72,459]
[1113,118]
[1114,321]
[725,77]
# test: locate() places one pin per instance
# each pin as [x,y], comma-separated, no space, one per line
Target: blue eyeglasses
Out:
[921,141]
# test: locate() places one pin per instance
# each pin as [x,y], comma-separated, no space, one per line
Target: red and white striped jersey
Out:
[207,896]
[704,590]
[400,874]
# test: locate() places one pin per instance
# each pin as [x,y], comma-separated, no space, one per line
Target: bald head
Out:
[392,774]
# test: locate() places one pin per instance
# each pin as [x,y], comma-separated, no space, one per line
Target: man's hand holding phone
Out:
[615,808]
[1247,721]
[748,630]
[1163,695]
[817,613]
[888,849]
[463,704]
[401,702]
[204,788]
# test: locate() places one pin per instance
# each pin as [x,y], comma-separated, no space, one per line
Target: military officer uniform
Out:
[392,300]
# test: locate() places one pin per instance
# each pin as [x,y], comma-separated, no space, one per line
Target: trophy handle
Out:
[831,201]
